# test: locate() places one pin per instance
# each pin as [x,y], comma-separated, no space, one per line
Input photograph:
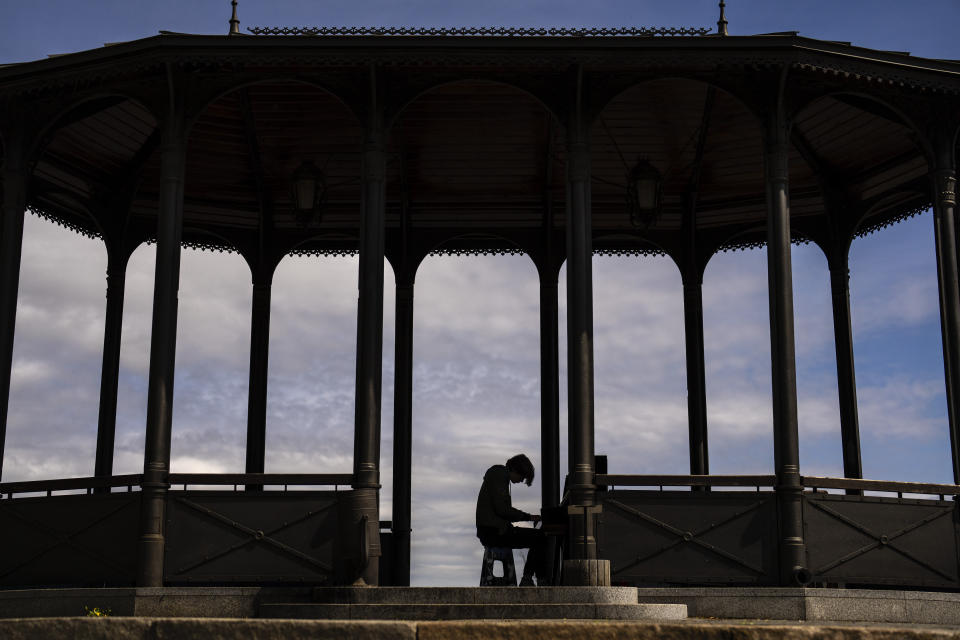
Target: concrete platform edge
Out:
[812,604]
[228,629]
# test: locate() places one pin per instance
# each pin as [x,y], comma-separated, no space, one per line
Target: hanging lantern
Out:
[307,190]
[644,186]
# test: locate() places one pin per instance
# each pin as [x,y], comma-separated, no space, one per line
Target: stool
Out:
[505,556]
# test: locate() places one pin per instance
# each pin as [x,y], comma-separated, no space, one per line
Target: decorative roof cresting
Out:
[574,32]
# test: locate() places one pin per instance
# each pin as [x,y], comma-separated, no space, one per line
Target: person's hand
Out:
[535,518]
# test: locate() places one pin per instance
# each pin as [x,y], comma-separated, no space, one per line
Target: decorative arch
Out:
[866,151]
[244,146]
[220,92]
[880,106]
[492,78]
[86,106]
[479,147]
[87,162]
[698,136]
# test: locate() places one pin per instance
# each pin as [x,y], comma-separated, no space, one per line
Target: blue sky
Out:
[476,378]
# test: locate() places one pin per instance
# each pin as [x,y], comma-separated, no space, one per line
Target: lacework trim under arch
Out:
[889,222]
[638,252]
[795,238]
[489,251]
[316,253]
[60,222]
[201,245]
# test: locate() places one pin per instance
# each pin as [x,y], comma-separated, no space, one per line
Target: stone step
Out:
[553,611]
[475,595]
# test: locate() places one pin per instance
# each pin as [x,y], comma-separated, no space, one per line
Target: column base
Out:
[586,573]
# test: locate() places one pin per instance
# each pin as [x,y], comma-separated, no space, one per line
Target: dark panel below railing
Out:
[881,541]
[242,537]
[69,540]
[662,538]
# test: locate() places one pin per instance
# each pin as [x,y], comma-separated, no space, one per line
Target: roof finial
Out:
[722,22]
[234,22]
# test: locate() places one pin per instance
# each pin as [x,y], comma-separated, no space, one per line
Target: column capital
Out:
[549,276]
[692,281]
[14,180]
[945,183]
[374,161]
[261,293]
[840,280]
[578,161]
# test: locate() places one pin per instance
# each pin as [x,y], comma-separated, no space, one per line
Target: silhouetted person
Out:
[496,515]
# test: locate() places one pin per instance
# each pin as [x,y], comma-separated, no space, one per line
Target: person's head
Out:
[520,468]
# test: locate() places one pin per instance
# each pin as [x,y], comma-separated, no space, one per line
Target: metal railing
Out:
[813,483]
[262,479]
[131,481]
[661,481]
[881,486]
[336,480]
[70,484]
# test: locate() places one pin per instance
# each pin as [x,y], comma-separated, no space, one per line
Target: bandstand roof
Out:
[476,135]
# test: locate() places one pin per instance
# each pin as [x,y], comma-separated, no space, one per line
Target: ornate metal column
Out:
[944,211]
[364,513]
[257,393]
[782,352]
[585,567]
[692,274]
[696,372]
[11,242]
[163,345]
[846,376]
[110,369]
[549,398]
[402,429]
[549,388]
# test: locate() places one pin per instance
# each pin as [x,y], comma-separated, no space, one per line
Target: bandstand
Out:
[558,144]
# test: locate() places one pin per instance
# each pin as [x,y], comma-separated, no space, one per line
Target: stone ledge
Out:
[475,595]
[198,602]
[813,604]
[498,611]
[600,630]
[207,628]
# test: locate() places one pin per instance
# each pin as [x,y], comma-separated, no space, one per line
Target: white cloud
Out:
[900,408]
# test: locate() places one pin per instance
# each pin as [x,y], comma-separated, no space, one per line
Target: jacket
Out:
[494,507]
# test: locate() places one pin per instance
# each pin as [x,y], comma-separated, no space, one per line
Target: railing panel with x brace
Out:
[870,540]
[250,537]
[685,537]
[75,540]
[908,537]
[85,531]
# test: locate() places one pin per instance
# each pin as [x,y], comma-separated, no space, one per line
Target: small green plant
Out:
[97,612]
